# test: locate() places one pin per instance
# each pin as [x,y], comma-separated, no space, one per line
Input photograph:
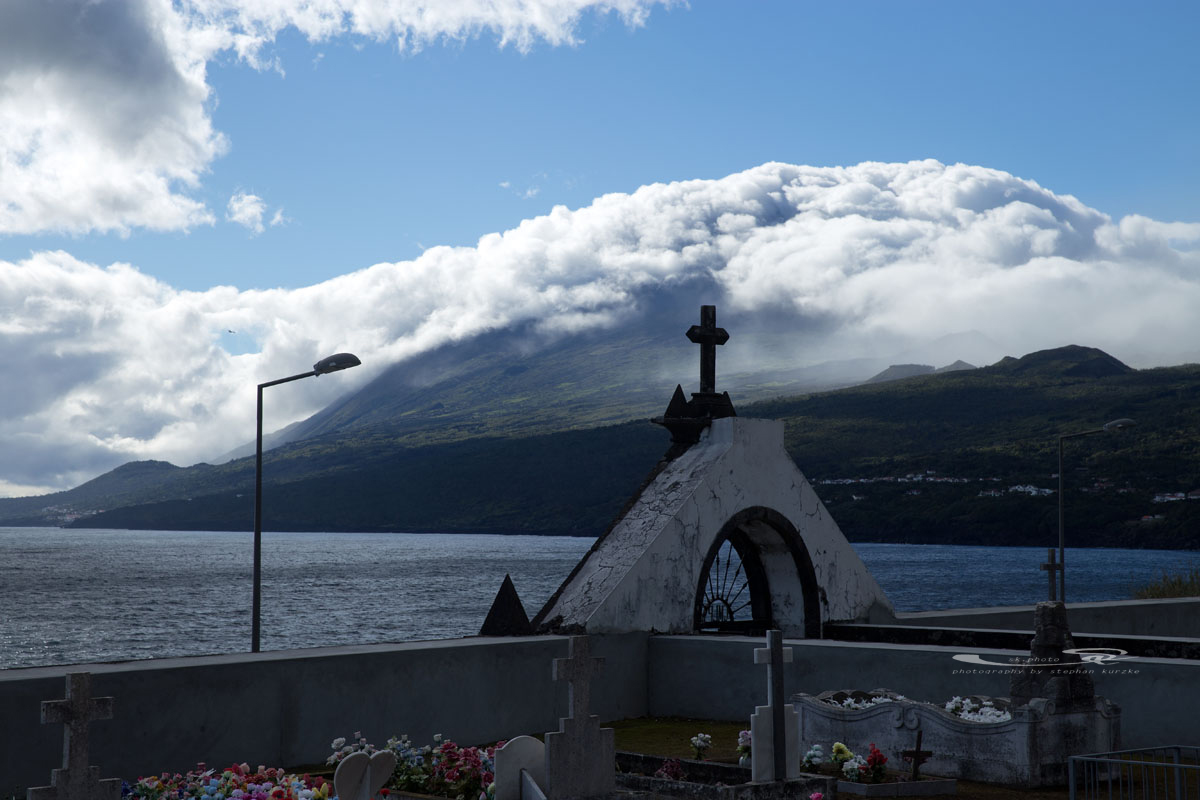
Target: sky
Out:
[200,195]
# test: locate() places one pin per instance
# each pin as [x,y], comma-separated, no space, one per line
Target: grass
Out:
[1185,584]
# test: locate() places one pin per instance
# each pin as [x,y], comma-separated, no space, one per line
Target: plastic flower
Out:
[841,754]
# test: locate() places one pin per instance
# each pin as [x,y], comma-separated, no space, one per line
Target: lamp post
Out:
[1115,425]
[338,361]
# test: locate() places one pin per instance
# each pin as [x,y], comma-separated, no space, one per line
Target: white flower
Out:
[338,742]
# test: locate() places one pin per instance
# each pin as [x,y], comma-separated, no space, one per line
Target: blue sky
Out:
[199,195]
[373,155]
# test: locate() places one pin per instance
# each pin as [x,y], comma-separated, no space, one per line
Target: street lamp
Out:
[1115,425]
[338,361]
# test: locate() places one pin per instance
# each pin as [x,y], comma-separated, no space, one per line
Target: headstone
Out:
[77,780]
[360,776]
[507,615]
[916,756]
[580,756]
[1051,567]
[1050,672]
[775,727]
[520,754]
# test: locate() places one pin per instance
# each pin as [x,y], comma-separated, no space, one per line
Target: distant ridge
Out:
[900,371]
[957,366]
[1072,361]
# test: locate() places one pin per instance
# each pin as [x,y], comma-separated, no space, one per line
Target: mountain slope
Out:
[987,429]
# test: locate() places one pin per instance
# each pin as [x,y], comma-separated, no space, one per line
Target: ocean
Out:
[74,596]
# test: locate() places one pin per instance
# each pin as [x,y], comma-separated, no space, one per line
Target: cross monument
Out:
[580,755]
[774,752]
[1051,568]
[77,780]
[917,756]
[708,336]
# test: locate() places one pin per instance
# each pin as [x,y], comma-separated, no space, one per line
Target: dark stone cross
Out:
[708,336]
[775,655]
[1051,567]
[577,669]
[77,780]
[916,757]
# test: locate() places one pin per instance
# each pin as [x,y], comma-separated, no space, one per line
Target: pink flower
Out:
[816,796]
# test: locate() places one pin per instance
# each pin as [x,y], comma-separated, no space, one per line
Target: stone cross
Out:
[578,670]
[708,336]
[580,755]
[1051,568]
[775,655]
[77,780]
[916,756]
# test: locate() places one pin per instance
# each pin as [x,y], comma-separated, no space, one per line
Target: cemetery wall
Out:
[710,677]
[1178,616]
[284,708]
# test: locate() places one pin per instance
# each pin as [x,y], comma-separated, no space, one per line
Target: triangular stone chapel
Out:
[726,535]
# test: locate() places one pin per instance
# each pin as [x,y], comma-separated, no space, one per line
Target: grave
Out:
[77,780]
[726,535]
[1055,713]
[775,727]
[576,761]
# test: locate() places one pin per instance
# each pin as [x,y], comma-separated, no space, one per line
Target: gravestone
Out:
[519,754]
[1051,671]
[77,780]
[360,776]
[580,756]
[775,727]
[916,756]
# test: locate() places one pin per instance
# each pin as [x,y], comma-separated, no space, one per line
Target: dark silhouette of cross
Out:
[917,756]
[708,336]
[1051,568]
[578,670]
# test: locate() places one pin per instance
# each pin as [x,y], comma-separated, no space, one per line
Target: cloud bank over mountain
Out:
[847,261]
[106,109]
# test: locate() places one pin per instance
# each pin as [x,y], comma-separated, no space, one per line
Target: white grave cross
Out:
[578,670]
[77,780]
[775,751]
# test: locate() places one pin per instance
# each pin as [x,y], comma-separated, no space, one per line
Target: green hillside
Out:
[930,458]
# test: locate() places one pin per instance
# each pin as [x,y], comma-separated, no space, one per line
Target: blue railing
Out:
[1171,772]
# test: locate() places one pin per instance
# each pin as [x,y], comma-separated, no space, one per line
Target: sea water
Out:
[74,596]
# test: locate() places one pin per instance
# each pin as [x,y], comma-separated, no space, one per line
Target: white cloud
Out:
[105,108]
[846,261]
[247,210]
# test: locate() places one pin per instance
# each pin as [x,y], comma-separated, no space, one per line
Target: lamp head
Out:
[1118,424]
[336,362]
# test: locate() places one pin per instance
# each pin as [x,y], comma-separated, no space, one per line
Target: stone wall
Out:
[283,708]
[1179,617]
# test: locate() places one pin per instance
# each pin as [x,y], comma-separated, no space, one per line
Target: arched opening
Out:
[758,575]
[733,596]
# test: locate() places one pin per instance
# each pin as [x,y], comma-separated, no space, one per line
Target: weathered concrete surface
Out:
[644,574]
[1175,617]
[284,708]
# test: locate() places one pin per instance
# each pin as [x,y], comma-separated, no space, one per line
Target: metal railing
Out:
[1171,772]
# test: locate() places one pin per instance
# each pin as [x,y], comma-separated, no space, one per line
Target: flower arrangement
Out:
[852,768]
[814,758]
[875,770]
[442,768]
[744,746]
[816,796]
[236,782]
[671,770]
[700,744]
[858,704]
[840,755]
[985,711]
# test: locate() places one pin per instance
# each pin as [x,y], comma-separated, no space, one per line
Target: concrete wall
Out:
[1169,617]
[284,708]
[709,677]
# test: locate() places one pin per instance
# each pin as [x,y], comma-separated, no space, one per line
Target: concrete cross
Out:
[577,669]
[1051,568]
[77,780]
[775,655]
[708,336]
